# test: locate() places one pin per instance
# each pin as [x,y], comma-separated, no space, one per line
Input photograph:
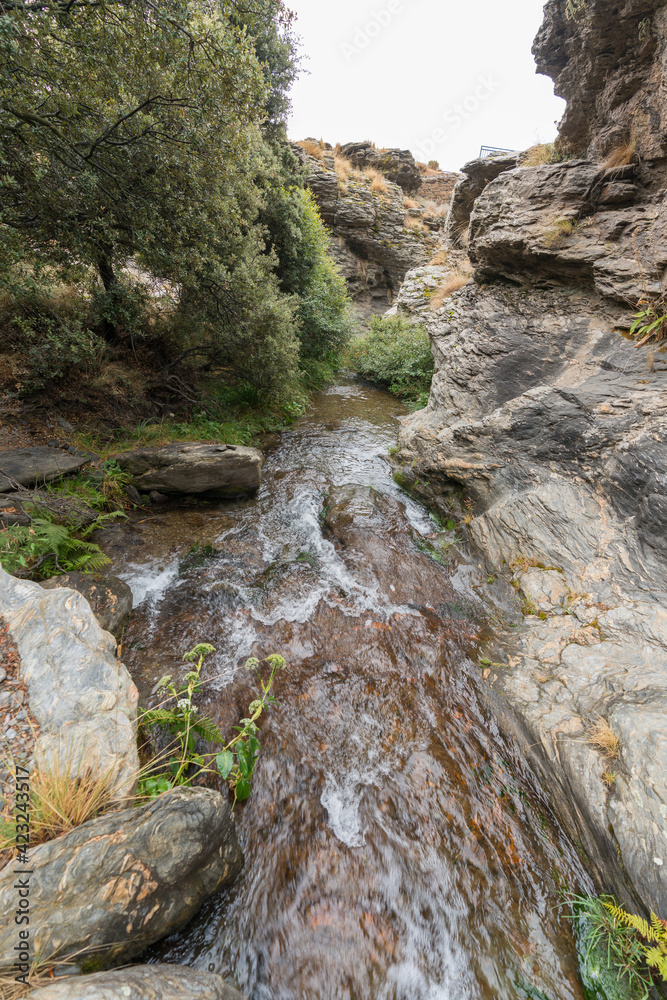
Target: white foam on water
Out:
[150,580]
[342,799]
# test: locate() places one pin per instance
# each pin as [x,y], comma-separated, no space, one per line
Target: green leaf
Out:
[225,763]
[242,789]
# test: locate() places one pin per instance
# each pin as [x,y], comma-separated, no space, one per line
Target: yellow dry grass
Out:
[620,156]
[415,224]
[378,181]
[603,738]
[457,279]
[410,203]
[60,800]
[313,148]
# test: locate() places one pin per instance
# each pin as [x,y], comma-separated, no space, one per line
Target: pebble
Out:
[22,715]
[3,675]
[10,734]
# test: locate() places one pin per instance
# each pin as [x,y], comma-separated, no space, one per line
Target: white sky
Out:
[439,77]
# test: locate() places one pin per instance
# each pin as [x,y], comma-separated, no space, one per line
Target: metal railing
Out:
[492,150]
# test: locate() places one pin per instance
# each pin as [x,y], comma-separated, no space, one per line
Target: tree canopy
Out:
[147,136]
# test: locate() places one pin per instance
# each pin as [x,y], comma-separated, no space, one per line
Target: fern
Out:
[207,729]
[654,932]
[45,547]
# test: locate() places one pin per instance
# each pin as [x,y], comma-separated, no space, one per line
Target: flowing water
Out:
[396,846]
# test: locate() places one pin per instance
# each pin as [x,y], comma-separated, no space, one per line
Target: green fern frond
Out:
[655,959]
[156,716]
[207,729]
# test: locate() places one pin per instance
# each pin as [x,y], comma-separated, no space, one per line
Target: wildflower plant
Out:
[182,764]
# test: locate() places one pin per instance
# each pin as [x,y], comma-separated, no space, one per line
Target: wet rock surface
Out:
[118,883]
[110,599]
[80,694]
[208,470]
[141,982]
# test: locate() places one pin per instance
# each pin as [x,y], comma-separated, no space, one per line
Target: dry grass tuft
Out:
[343,169]
[415,224]
[379,183]
[557,234]
[545,152]
[60,800]
[604,739]
[410,203]
[313,148]
[620,156]
[441,257]
[457,279]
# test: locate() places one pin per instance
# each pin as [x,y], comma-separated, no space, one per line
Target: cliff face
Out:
[376,238]
[608,60]
[554,419]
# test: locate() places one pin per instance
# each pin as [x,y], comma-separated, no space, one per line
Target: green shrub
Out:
[397,354]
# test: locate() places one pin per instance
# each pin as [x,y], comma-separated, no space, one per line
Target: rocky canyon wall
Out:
[553,419]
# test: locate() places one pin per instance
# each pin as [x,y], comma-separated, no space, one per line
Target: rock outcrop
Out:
[33,466]
[208,470]
[81,696]
[115,885]
[110,599]
[140,982]
[476,175]
[555,421]
[397,165]
[375,238]
[608,62]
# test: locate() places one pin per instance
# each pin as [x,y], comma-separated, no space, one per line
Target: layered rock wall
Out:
[554,420]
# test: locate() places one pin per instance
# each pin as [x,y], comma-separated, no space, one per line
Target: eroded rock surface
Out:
[140,982]
[397,165]
[211,470]
[80,694]
[116,884]
[609,65]
[476,175]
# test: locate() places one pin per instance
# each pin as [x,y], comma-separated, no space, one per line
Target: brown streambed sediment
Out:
[396,844]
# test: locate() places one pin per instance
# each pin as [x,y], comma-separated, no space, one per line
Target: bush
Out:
[397,354]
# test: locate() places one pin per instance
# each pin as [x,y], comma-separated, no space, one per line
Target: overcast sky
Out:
[438,77]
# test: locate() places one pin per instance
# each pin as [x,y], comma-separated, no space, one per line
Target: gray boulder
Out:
[81,696]
[120,882]
[110,599]
[140,982]
[32,466]
[209,470]
[476,175]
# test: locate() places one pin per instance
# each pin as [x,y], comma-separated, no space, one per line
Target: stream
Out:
[396,846]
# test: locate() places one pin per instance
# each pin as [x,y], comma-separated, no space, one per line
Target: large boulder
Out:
[81,696]
[209,470]
[140,982]
[476,175]
[32,466]
[118,883]
[110,599]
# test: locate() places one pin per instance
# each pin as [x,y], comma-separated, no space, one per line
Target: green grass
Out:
[397,354]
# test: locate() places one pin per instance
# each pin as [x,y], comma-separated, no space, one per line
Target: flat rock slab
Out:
[115,885]
[32,466]
[110,599]
[210,470]
[140,982]
[11,512]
